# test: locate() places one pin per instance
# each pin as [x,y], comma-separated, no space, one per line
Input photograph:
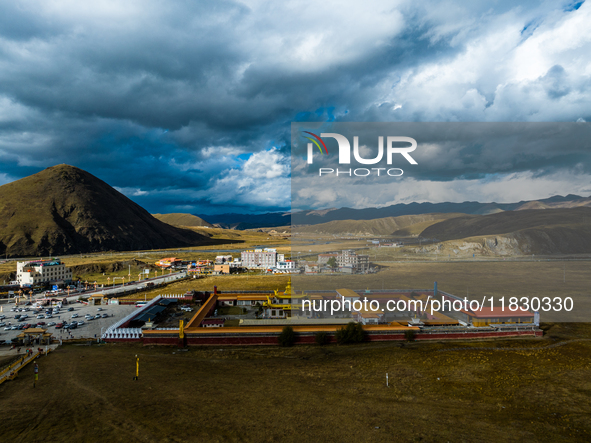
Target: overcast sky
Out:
[186,106]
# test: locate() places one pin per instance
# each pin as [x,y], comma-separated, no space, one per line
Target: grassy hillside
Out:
[402,225]
[549,231]
[176,219]
[527,390]
[65,210]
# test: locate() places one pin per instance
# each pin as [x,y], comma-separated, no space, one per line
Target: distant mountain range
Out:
[65,210]
[403,226]
[313,217]
[528,231]
[250,221]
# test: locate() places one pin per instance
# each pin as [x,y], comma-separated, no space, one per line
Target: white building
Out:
[42,272]
[223,258]
[286,267]
[348,258]
[259,258]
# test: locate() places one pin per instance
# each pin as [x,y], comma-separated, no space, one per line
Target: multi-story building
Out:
[259,258]
[349,259]
[42,272]
[286,267]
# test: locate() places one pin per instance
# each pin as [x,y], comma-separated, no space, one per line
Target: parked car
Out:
[99,309]
[59,326]
[2,325]
[74,315]
[105,315]
[97,316]
[72,325]
[70,309]
[41,323]
[51,323]
[80,323]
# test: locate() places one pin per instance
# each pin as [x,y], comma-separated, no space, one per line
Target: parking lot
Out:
[89,328]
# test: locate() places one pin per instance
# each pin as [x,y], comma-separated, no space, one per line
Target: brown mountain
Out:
[177,219]
[402,225]
[548,231]
[65,210]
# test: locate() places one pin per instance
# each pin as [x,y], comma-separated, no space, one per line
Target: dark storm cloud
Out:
[170,102]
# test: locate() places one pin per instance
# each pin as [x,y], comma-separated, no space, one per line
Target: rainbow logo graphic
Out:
[316,142]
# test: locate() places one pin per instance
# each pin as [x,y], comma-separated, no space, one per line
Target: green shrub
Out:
[321,338]
[410,335]
[287,337]
[352,333]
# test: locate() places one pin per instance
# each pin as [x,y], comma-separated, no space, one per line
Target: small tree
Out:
[352,333]
[332,262]
[410,334]
[321,338]
[287,337]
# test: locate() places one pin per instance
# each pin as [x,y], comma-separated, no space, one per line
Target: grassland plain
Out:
[474,279]
[237,240]
[511,391]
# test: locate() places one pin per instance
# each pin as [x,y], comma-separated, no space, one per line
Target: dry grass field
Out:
[237,241]
[475,279]
[535,390]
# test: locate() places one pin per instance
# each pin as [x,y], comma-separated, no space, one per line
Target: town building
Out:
[311,268]
[259,258]
[349,258]
[286,267]
[53,271]
[229,267]
[347,261]
[223,258]
[169,262]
